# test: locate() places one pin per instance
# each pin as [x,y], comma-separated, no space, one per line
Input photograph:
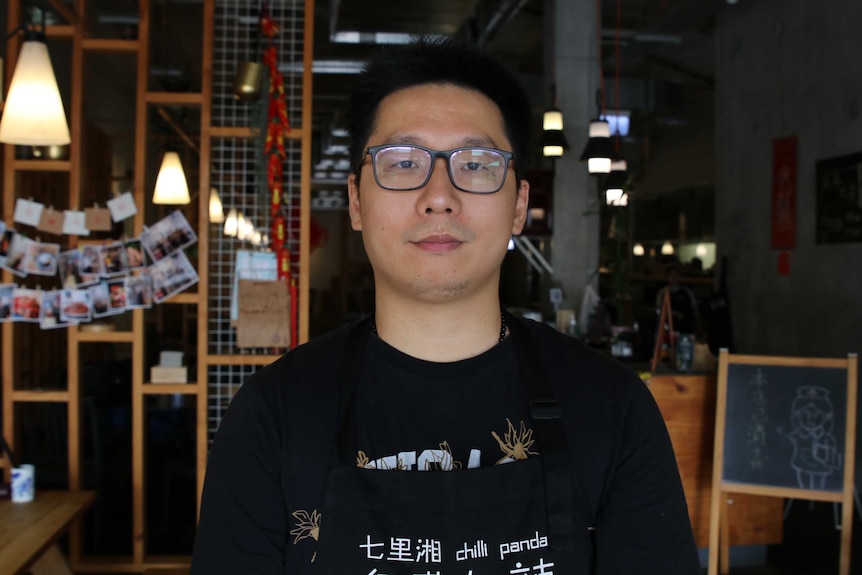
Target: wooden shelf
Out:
[59,31]
[183,298]
[37,396]
[41,165]
[233,132]
[109,45]
[105,336]
[241,359]
[170,388]
[175,98]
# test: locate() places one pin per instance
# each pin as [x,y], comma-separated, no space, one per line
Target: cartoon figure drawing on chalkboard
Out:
[815,455]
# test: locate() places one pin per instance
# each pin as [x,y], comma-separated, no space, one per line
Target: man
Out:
[442,435]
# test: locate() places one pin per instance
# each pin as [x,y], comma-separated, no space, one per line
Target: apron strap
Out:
[560,480]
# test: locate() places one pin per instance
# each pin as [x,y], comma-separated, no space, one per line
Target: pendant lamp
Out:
[615,194]
[667,249]
[553,140]
[171,185]
[216,208]
[33,114]
[231,224]
[599,148]
[638,250]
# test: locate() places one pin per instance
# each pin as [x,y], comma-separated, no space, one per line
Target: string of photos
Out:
[97,279]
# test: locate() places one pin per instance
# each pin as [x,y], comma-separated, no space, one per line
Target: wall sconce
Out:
[33,114]
[216,208]
[171,184]
[553,140]
[599,149]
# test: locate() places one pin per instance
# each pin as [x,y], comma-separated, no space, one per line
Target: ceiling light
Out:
[700,250]
[33,114]
[638,250]
[599,148]
[216,208]
[171,184]
[231,224]
[667,249]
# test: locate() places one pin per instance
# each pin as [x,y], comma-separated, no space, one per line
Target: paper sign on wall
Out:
[51,221]
[122,207]
[27,212]
[264,314]
[98,219]
[75,223]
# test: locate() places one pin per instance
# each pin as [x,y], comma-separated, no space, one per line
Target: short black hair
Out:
[438,61]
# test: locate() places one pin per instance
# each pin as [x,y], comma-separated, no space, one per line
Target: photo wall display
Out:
[97,280]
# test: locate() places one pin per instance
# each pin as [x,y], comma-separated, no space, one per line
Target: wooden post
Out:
[665,319]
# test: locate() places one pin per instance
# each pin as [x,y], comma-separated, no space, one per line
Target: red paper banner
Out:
[784,193]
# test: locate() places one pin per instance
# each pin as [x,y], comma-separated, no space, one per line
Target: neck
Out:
[439,332]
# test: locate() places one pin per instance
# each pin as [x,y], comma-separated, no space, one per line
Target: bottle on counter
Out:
[684,352]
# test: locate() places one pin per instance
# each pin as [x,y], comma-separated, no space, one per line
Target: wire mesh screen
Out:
[239,171]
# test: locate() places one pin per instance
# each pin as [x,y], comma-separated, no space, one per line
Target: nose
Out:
[439,195]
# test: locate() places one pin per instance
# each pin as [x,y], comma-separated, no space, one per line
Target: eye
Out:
[404,164]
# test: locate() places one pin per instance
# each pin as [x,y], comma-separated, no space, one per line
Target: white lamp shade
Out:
[231,224]
[638,250]
[552,120]
[34,114]
[614,197]
[599,165]
[600,129]
[700,250]
[171,185]
[216,208]
[552,151]
[667,249]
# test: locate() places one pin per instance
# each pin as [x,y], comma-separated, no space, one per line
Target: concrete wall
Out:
[787,67]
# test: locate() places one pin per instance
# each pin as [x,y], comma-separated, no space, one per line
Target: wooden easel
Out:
[721,487]
[665,319]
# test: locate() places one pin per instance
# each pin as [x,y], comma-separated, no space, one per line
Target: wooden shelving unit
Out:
[81,44]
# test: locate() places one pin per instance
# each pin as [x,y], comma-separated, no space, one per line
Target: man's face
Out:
[437,243]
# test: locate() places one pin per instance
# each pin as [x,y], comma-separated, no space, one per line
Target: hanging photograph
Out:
[6,301]
[16,257]
[139,292]
[167,236]
[171,275]
[117,295]
[41,259]
[26,304]
[101,300]
[114,259]
[75,305]
[135,254]
[5,243]
[91,264]
[50,316]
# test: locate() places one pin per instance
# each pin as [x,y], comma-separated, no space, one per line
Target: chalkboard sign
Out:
[784,427]
[839,200]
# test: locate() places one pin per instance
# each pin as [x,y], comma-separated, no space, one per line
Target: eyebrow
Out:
[470,141]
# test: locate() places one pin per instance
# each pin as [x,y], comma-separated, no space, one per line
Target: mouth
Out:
[438,243]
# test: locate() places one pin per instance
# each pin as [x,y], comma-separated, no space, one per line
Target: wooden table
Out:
[29,531]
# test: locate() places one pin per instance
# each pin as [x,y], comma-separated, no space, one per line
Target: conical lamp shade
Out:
[216,208]
[231,224]
[171,185]
[34,114]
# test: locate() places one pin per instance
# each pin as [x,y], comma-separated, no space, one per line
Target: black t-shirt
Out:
[419,415]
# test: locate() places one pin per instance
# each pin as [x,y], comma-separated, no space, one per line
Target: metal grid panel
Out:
[239,172]
[224,381]
[237,39]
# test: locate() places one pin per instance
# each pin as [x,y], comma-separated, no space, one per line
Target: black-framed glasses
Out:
[475,170]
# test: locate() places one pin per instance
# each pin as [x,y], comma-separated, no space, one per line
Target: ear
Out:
[353,203]
[521,202]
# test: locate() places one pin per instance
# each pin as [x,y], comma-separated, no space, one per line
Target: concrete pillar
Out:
[572,65]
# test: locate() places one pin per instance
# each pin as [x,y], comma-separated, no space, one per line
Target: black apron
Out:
[515,518]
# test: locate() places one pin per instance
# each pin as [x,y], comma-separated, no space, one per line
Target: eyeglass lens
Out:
[471,169]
